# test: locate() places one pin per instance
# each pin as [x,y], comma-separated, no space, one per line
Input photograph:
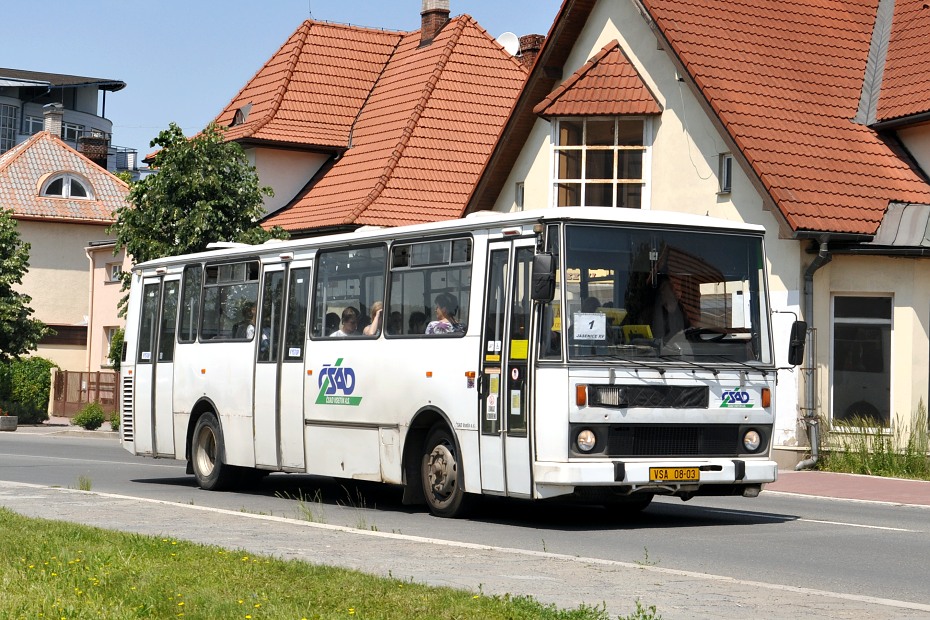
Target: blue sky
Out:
[184,60]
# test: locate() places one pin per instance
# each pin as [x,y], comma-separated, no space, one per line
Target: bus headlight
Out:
[752,441]
[586,440]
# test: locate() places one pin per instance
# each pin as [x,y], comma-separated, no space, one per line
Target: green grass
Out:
[859,446]
[66,571]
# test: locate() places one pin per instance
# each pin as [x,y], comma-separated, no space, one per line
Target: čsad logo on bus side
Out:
[337,382]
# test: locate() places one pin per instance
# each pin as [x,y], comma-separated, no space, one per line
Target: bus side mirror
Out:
[796,343]
[543,277]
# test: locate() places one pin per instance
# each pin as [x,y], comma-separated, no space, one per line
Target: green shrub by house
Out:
[25,385]
[91,417]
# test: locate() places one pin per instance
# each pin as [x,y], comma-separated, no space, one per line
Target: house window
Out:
[519,193]
[108,333]
[725,173]
[114,272]
[862,360]
[67,186]
[599,162]
[33,125]
[8,118]
[71,132]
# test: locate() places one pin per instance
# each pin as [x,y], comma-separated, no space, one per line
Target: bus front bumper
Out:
[680,477]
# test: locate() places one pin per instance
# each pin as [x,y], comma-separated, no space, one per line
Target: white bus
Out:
[604,355]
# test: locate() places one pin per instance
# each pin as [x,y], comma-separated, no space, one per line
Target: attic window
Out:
[67,186]
[241,114]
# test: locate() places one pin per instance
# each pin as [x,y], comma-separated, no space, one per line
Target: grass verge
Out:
[66,571]
[860,446]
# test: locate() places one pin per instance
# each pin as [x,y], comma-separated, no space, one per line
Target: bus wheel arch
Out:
[432,466]
[207,453]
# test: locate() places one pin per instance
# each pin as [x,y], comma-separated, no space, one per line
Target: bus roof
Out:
[476,221]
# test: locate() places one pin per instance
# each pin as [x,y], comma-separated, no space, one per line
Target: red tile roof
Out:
[411,125]
[24,168]
[607,85]
[905,88]
[310,92]
[784,77]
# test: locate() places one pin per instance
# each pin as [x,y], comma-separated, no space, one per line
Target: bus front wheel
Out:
[211,472]
[441,473]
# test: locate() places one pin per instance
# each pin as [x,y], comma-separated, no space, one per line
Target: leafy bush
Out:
[26,385]
[114,420]
[91,417]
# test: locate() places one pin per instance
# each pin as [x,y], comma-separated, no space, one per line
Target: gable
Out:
[24,168]
[607,85]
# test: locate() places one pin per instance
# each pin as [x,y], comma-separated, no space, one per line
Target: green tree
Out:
[19,332]
[205,190]
[115,354]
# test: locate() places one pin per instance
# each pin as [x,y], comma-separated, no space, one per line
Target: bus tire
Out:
[441,474]
[208,454]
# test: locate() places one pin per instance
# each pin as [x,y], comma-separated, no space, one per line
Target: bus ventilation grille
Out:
[126,409]
[649,396]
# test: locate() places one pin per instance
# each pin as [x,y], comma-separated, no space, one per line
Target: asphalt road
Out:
[836,546]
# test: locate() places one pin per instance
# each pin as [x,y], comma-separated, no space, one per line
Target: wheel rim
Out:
[442,472]
[206,452]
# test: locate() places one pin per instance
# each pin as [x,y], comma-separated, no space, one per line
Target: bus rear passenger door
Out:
[154,432]
[504,441]
[279,372]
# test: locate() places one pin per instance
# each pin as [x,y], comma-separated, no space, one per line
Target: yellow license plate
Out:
[674,474]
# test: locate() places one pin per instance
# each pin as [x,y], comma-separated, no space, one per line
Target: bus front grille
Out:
[634,440]
[126,410]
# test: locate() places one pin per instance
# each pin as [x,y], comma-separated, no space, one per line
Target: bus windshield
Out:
[638,294]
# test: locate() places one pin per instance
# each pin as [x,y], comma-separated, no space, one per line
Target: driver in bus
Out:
[349,323]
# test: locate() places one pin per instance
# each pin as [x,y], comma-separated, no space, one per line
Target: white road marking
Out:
[747,513]
[148,463]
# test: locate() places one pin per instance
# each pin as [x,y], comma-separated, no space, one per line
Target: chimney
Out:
[53,112]
[434,16]
[530,45]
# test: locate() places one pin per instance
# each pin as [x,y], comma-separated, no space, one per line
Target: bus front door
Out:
[154,393]
[505,438]
[280,342]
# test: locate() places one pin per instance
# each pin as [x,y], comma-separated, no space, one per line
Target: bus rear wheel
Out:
[441,473]
[207,454]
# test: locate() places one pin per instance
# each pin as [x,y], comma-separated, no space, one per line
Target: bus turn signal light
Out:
[766,397]
[581,395]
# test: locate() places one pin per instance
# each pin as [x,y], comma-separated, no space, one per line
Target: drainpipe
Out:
[810,415]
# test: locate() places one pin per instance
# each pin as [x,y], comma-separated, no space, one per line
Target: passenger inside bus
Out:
[374,326]
[246,327]
[349,323]
[332,323]
[417,322]
[447,306]
[395,323]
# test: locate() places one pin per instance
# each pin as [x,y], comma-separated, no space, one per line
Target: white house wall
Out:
[685,151]
[286,172]
[917,141]
[904,279]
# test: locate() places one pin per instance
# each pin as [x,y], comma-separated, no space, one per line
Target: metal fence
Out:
[71,391]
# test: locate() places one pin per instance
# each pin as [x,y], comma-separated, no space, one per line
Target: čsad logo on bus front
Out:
[337,382]
[736,399]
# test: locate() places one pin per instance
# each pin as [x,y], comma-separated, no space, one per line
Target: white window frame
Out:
[108,333]
[33,125]
[725,173]
[113,272]
[67,180]
[9,117]
[646,149]
[70,132]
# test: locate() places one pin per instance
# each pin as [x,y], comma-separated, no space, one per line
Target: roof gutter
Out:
[807,406]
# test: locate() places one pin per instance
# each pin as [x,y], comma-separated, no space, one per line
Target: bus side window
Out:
[228,291]
[348,284]
[423,277]
[190,303]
